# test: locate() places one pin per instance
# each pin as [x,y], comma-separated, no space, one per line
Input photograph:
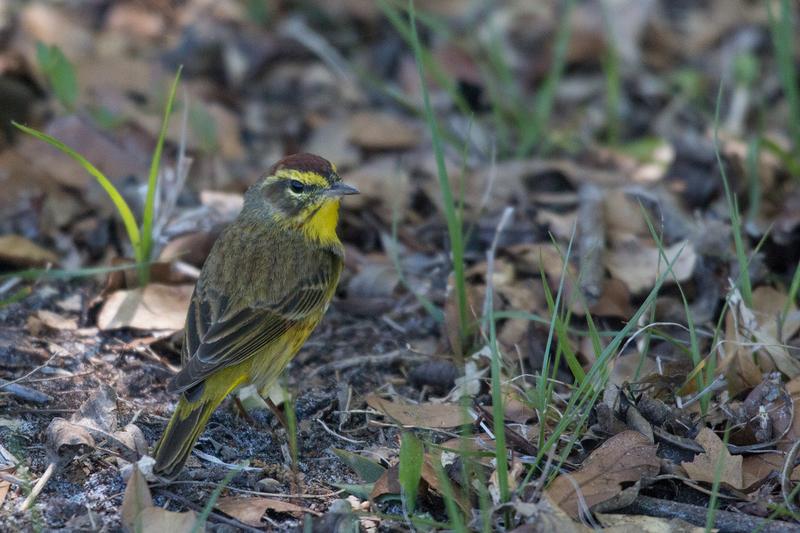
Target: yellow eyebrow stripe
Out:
[307,178]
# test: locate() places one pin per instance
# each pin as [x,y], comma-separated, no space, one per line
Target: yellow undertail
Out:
[187,423]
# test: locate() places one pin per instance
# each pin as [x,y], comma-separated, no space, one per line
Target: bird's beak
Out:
[340,189]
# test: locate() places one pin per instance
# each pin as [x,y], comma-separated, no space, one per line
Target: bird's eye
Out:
[296,186]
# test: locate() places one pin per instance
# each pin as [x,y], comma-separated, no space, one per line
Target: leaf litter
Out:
[628,168]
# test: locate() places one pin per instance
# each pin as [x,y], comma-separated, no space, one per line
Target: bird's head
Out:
[301,191]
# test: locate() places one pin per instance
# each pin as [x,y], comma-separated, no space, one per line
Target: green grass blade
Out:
[736,220]
[128,220]
[412,454]
[543,105]
[783,37]
[454,227]
[456,520]
[149,204]
[60,73]
[794,286]
[200,523]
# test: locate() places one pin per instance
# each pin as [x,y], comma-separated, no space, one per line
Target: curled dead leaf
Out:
[626,457]
[250,510]
[705,465]
[426,415]
[638,265]
[139,515]
[21,252]
[155,307]
[65,440]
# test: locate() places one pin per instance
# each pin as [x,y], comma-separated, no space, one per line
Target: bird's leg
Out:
[277,412]
[243,411]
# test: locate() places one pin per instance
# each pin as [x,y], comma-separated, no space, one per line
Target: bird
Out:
[264,287]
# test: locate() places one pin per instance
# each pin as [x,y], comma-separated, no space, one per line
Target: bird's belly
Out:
[267,366]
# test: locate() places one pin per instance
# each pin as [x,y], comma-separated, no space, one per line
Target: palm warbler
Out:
[264,287]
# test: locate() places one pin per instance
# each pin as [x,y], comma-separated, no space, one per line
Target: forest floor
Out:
[570,294]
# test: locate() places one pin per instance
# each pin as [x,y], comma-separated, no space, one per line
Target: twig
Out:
[253,492]
[9,284]
[490,255]
[386,358]
[591,241]
[9,457]
[786,479]
[332,432]
[211,459]
[56,353]
[723,520]
[24,393]
[37,488]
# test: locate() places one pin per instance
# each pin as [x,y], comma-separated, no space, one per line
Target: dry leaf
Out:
[704,466]
[625,458]
[384,186]
[744,328]
[20,252]
[388,483]
[250,510]
[756,468]
[158,520]
[4,486]
[56,321]
[139,515]
[376,130]
[545,516]
[137,498]
[431,478]
[65,440]
[639,265]
[425,415]
[225,204]
[154,307]
[95,145]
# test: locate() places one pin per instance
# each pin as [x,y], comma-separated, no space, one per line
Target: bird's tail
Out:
[185,426]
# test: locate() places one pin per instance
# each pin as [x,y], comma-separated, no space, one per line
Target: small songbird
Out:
[263,289]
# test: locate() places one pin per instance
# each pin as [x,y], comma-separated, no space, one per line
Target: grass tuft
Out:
[141,238]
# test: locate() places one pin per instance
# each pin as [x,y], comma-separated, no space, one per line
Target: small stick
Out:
[37,488]
[786,479]
[591,241]
[694,514]
[385,358]
[26,394]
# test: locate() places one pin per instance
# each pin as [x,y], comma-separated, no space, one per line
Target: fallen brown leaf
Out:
[376,130]
[704,466]
[55,321]
[139,515]
[626,457]
[250,510]
[426,415]
[65,440]
[638,265]
[137,498]
[158,520]
[388,483]
[161,307]
[20,252]
[756,468]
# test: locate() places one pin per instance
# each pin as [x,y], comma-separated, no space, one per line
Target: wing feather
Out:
[218,336]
